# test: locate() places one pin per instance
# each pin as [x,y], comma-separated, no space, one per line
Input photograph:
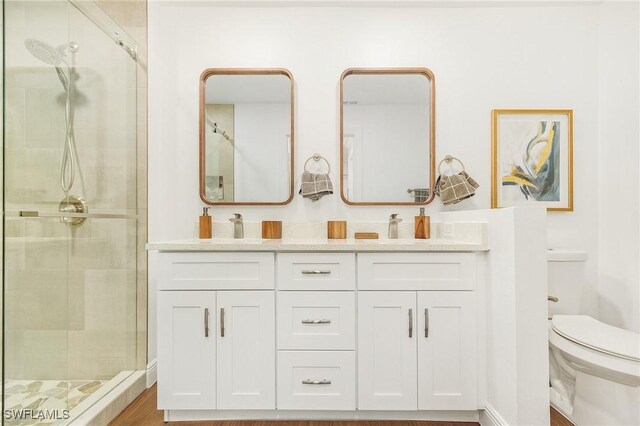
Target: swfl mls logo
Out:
[41,415]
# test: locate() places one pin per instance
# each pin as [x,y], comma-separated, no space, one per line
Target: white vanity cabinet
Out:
[186,350]
[216,349]
[387,356]
[417,350]
[447,350]
[246,350]
[216,345]
[295,335]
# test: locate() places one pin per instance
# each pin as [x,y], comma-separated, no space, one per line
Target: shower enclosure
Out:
[70,235]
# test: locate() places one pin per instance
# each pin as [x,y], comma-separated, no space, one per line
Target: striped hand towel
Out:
[315,186]
[455,188]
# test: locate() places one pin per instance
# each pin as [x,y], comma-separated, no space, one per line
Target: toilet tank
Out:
[566,280]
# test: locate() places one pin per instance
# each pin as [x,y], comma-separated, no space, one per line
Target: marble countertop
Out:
[318,245]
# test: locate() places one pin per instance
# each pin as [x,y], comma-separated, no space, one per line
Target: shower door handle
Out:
[54,214]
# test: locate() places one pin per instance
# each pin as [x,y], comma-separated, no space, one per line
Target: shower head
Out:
[52,55]
[49,54]
[43,51]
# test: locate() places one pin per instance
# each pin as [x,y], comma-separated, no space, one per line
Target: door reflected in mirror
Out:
[387,136]
[246,136]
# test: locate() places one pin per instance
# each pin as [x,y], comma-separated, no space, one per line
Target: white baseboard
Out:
[152,372]
[490,417]
[437,416]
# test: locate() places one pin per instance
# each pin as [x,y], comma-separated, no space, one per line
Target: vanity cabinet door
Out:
[186,350]
[387,354]
[447,350]
[246,350]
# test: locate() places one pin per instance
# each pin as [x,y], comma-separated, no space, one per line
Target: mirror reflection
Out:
[387,136]
[246,127]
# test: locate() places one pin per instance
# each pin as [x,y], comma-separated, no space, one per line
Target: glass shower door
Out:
[36,273]
[70,204]
[102,344]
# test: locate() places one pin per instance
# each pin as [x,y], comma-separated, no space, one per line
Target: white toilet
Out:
[594,368]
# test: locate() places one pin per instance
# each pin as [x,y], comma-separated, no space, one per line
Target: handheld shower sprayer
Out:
[57,56]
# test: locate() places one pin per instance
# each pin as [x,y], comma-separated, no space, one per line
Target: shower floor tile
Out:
[46,396]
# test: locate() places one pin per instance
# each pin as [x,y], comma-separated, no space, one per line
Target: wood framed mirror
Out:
[246,136]
[387,136]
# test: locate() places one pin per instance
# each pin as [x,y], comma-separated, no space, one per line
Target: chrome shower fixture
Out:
[56,56]
[73,204]
[49,54]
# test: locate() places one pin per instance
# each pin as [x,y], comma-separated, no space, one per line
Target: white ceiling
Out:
[238,89]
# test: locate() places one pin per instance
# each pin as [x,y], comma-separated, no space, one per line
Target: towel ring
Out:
[317,157]
[449,159]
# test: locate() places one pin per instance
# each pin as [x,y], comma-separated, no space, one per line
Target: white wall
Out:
[619,206]
[482,58]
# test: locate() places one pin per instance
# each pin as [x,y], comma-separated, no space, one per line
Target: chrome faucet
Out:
[238,227]
[393,226]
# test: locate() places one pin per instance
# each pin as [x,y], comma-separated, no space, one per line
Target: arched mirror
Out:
[246,136]
[387,136]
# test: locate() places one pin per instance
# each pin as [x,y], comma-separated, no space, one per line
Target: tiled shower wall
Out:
[76,308]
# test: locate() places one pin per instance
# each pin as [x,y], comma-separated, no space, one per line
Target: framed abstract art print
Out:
[532,158]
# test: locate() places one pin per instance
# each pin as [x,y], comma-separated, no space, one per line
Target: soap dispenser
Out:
[205,224]
[422,226]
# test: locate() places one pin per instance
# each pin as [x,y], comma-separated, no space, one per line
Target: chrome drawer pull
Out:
[410,322]
[552,299]
[206,322]
[320,321]
[315,272]
[316,382]
[221,322]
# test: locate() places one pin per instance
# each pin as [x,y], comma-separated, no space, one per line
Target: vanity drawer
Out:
[216,271]
[416,271]
[316,320]
[316,271]
[316,380]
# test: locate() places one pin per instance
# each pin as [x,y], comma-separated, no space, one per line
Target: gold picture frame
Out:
[532,158]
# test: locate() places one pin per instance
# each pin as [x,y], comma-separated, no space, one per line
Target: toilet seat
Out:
[596,335]
[595,361]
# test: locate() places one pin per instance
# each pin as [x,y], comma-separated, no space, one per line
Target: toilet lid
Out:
[597,335]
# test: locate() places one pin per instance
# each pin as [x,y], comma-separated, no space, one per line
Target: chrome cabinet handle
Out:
[410,322]
[206,322]
[315,272]
[316,382]
[426,322]
[552,299]
[317,321]
[221,322]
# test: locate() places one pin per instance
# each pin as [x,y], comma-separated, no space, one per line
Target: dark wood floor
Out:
[143,412]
